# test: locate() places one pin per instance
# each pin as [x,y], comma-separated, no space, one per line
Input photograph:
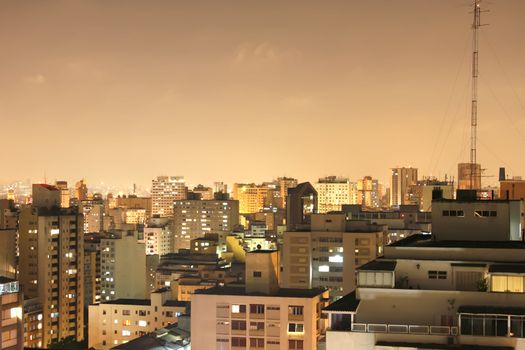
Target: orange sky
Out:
[123,90]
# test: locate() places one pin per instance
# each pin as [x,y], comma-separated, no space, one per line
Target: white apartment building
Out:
[333,192]
[259,316]
[158,236]
[165,190]
[93,212]
[440,291]
[194,218]
[327,255]
[121,320]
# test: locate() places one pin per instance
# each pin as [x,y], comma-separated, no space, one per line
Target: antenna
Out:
[474,107]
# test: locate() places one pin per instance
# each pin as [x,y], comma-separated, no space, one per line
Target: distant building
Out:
[285,183]
[158,236]
[8,214]
[81,190]
[195,218]
[465,180]
[327,255]
[134,202]
[369,192]
[121,320]
[46,196]
[165,190]
[93,211]
[301,204]
[259,315]
[333,192]
[400,182]
[253,198]
[421,193]
[11,327]
[203,192]
[8,252]
[64,193]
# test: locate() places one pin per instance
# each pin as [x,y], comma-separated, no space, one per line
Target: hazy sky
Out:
[123,90]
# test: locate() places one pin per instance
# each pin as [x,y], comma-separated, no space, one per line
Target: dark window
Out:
[257,274]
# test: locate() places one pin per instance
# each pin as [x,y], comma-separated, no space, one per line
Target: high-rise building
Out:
[165,190]
[203,192]
[134,202]
[8,214]
[93,211]
[285,183]
[220,187]
[158,236]
[8,252]
[465,180]
[333,192]
[52,268]
[253,198]
[369,192]
[11,325]
[461,287]
[300,205]
[123,268]
[328,254]
[259,316]
[195,218]
[81,190]
[64,193]
[400,182]
[33,318]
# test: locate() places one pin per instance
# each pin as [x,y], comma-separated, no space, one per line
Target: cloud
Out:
[36,79]
[264,53]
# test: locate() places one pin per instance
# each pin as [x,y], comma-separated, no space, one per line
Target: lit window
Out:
[324,268]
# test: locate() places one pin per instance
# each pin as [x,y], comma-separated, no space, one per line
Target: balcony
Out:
[404,329]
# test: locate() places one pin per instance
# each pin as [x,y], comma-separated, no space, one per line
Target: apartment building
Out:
[260,315]
[333,192]
[11,326]
[195,218]
[158,236]
[33,318]
[461,287]
[52,263]
[401,181]
[165,190]
[326,256]
[121,320]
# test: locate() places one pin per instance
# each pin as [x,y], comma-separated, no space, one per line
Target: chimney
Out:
[502,176]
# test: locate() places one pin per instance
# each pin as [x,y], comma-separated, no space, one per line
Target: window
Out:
[238,309]
[257,274]
[295,328]
[503,283]
[238,325]
[126,322]
[126,312]
[169,313]
[485,213]
[295,344]
[295,310]
[456,213]
[256,343]
[126,333]
[256,308]
[240,342]
[485,325]
[257,326]
[440,275]
[324,268]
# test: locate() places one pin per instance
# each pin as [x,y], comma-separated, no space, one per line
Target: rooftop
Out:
[282,292]
[379,265]
[129,302]
[439,346]
[176,303]
[426,241]
[348,303]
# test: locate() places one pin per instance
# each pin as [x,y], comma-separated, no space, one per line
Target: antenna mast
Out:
[474,107]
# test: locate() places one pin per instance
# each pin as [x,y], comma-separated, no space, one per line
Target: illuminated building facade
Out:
[333,192]
[165,190]
[400,182]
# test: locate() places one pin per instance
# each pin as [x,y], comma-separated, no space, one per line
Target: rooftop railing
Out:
[403,329]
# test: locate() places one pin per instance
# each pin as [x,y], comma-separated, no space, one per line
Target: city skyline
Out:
[131,92]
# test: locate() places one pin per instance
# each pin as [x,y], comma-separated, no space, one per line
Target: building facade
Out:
[400,182]
[165,190]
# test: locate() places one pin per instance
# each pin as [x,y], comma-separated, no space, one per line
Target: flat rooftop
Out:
[282,293]
[433,346]
[378,265]
[426,241]
[128,302]
[348,303]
